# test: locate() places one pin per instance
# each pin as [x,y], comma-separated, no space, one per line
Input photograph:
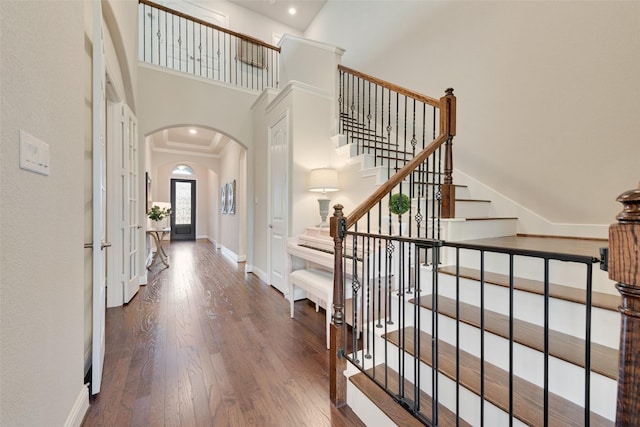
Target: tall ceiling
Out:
[211,143]
[278,10]
[181,140]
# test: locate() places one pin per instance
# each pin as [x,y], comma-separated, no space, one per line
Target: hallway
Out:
[204,344]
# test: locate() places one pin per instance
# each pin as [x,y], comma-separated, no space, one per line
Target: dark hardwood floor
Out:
[206,344]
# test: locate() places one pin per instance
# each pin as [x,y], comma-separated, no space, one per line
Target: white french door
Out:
[132,226]
[99,241]
[124,224]
[278,202]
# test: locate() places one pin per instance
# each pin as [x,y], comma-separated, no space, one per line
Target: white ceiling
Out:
[180,141]
[278,10]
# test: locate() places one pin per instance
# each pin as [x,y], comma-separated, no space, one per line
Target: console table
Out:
[158,236]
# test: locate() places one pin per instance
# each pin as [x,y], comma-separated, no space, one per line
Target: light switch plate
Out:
[34,154]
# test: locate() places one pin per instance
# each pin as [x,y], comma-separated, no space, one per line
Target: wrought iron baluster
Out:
[587,350]
[546,342]
[159,34]
[180,42]
[355,287]
[511,331]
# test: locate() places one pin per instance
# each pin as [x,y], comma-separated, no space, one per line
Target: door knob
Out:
[105,245]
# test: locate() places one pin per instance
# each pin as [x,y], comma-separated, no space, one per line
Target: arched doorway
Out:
[216,161]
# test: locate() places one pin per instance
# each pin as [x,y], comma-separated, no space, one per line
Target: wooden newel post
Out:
[337,363]
[448,125]
[624,268]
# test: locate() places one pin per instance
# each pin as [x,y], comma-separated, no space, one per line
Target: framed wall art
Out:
[223,198]
[231,197]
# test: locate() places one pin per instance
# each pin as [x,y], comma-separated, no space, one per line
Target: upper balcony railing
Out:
[172,39]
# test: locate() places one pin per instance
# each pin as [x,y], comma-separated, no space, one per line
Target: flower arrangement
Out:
[399,204]
[158,214]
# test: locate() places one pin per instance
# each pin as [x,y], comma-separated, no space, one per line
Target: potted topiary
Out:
[399,204]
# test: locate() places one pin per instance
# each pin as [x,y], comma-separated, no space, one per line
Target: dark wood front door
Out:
[183,204]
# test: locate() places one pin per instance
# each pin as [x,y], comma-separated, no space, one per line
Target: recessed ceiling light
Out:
[292,11]
[193,131]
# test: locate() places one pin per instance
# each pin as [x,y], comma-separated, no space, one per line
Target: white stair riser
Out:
[462,192]
[457,230]
[365,409]
[564,316]
[472,209]
[464,208]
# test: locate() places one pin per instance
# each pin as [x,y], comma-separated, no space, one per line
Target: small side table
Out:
[158,236]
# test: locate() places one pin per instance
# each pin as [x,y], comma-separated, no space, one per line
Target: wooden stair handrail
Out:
[387,85]
[210,25]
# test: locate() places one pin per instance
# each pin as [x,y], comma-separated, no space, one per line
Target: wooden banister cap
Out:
[624,242]
[631,203]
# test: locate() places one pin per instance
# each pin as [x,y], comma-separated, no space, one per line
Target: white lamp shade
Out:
[323,180]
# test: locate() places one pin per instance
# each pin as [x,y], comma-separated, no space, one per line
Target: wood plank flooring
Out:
[206,344]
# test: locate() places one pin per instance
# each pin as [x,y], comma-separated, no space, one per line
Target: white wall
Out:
[230,169]
[186,100]
[41,217]
[214,207]
[547,91]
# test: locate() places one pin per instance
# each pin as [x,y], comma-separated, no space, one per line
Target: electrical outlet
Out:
[34,154]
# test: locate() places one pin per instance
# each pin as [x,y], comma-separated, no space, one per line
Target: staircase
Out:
[480,326]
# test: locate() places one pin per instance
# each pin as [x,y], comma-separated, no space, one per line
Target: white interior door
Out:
[123,182]
[99,199]
[279,202]
[116,183]
[132,240]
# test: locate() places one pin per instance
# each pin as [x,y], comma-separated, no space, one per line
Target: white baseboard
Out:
[232,255]
[229,254]
[79,409]
[143,278]
[261,274]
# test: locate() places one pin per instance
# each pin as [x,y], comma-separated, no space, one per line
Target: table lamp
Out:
[323,180]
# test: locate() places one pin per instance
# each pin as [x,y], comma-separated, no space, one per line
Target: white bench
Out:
[317,283]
